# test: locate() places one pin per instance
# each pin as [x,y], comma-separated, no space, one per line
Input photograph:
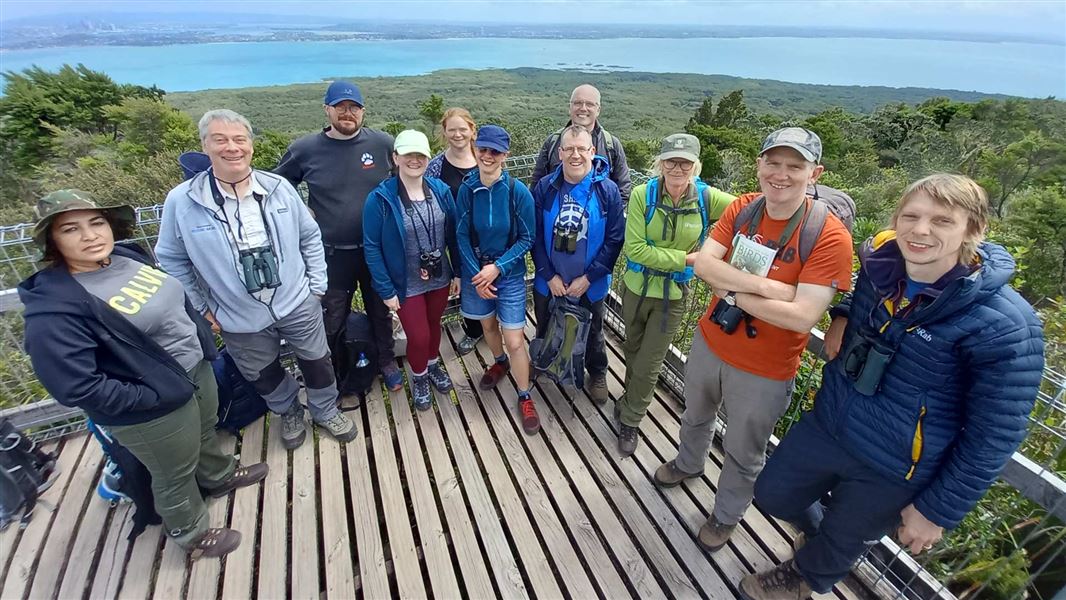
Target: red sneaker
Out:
[528,410]
[494,374]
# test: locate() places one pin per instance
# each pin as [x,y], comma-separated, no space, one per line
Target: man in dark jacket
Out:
[580,230]
[940,365]
[341,165]
[585,111]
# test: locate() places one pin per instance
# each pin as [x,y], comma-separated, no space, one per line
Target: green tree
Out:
[640,153]
[705,113]
[269,148]
[393,128]
[1004,173]
[1037,218]
[731,111]
[153,126]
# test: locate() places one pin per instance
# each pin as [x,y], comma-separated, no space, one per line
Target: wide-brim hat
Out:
[62,201]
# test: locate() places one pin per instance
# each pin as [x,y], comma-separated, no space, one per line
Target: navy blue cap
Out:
[494,137]
[339,91]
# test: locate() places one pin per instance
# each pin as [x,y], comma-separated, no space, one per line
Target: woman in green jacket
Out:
[667,220]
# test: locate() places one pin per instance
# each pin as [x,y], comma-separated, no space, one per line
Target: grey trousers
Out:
[753,405]
[257,357]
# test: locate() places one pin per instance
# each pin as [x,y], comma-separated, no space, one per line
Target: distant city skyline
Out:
[1039,18]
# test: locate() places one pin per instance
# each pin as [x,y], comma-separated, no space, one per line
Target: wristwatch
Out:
[731,298]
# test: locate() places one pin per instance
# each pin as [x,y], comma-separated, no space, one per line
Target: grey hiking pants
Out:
[257,357]
[753,405]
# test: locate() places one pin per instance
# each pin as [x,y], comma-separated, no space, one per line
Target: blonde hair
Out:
[463,114]
[954,191]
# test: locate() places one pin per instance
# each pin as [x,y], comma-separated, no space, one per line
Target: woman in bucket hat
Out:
[106,333]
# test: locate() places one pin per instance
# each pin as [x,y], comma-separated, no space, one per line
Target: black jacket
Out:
[89,356]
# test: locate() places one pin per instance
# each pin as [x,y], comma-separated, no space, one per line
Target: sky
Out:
[1040,18]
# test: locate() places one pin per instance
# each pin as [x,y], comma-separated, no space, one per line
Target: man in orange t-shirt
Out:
[751,369]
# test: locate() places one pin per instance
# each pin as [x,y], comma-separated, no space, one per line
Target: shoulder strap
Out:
[553,144]
[512,234]
[608,141]
[651,199]
[812,229]
[703,191]
[746,214]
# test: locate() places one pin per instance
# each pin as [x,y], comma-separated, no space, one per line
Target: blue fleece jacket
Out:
[385,237]
[89,356]
[488,211]
[954,400]
[606,229]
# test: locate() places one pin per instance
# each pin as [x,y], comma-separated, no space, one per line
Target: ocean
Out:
[1031,70]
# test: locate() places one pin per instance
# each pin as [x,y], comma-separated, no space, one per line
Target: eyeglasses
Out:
[576,149]
[347,108]
[674,165]
[583,104]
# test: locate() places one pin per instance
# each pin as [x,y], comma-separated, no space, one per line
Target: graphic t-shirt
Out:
[570,265]
[152,301]
[774,352]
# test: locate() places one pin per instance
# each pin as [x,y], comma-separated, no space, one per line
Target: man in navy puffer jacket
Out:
[925,399]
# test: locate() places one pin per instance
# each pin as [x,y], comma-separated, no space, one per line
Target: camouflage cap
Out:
[680,145]
[62,201]
[804,141]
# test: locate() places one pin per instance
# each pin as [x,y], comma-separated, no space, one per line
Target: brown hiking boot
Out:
[783,582]
[597,387]
[241,477]
[496,372]
[714,534]
[668,475]
[215,543]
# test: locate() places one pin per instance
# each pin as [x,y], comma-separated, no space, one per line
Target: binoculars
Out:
[565,239]
[727,316]
[260,268]
[430,265]
[865,364]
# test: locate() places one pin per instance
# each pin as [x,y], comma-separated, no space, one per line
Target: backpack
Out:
[125,479]
[608,140]
[239,405]
[560,354]
[824,200]
[26,472]
[512,234]
[361,356]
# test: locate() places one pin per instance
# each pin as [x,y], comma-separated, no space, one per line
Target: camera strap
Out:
[793,223]
[413,210]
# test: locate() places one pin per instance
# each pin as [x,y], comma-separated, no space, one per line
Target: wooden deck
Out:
[448,503]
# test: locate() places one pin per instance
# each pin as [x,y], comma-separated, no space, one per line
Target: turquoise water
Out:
[1035,70]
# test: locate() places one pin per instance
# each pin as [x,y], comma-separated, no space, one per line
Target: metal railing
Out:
[1015,535]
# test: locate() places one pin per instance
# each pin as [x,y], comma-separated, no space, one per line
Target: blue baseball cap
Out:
[494,137]
[339,91]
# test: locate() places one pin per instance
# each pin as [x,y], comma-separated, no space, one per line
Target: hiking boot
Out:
[528,411]
[714,534]
[340,427]
[783,582]
[242,476]
[467,344]
[392,376]
[597,387]
[421,392]
[215,543]
[494,374]
[627,439]
[293,429]
[439,377]
[49,473]
[668,475]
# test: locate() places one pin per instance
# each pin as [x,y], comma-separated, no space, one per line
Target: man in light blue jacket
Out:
[250,257]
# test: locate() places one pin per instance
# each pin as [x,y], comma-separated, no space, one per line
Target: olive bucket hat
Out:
[62,201]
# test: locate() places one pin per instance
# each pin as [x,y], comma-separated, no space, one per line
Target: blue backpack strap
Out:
[702,191]
[651,199]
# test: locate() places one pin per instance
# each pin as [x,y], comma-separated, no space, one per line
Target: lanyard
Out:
[786,235]
[412,210]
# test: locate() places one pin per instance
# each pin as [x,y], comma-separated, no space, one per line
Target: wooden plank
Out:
[273,544]
[107,577]
[9,537]
[504,567]
[434,542]
[88,542]
[173,569]
[471,562]
[371,554]
[505,422]
[304,532]
[137,581]
[237,580]
[21,572]
[537,564]
[401,542]
[336,543]
[204,573]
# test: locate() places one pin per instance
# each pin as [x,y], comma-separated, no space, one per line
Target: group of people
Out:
[934,360]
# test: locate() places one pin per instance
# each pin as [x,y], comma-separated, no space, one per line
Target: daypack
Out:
[125,478]
[512,233]
[361,356]
[824,200]
[560,354]
[553,144]
[239,405]
[26,472]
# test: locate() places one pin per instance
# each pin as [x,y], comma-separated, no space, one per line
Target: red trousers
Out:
[420,316]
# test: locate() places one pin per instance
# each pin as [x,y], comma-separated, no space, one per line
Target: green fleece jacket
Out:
[666,251]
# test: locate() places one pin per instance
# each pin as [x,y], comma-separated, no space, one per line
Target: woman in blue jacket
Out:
[409,240]
[109,334]
[495,231]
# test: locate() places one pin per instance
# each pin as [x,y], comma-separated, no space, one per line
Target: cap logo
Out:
[792,135]
[679,143]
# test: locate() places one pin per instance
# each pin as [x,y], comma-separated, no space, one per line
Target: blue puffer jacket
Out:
[954,400]
[385,237]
